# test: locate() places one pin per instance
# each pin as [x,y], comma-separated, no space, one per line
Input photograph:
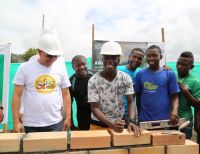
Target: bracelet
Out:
[1,107]
[132,121]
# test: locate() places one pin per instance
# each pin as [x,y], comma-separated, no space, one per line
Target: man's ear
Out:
[129,58]
[192,66]
[39,52]
[119,60]
[161,56]
[73,66]
[102,59]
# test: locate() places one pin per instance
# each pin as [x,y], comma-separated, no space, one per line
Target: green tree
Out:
[29,53]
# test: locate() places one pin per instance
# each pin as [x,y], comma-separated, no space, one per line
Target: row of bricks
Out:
[188,148]
[55,141]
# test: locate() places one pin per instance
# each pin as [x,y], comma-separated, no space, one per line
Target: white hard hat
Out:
[49,42]
[111,48]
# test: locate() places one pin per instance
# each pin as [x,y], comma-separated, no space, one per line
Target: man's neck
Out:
[42,63]
[154,69]
[128,66]
[109,75]
[185,76]
[80,76]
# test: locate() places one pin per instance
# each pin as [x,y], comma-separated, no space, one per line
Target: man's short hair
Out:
[154,47]
[137,49]
[188,54]
[76,57]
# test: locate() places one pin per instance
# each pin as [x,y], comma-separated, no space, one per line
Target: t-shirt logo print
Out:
[45,84]
[150,86]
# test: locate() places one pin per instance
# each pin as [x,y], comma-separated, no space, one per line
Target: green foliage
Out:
[13,60]
[29,53]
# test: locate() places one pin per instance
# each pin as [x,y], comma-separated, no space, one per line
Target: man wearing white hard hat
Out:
[106,90]
[44,85]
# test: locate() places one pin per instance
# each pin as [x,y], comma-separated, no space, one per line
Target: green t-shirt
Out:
[193,84]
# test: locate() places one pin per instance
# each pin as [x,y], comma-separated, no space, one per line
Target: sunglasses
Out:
[50,56]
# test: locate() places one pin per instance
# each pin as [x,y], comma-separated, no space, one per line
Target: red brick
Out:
[109,151]
[148,150]
[126,138]
[90,139]
[78,152]
[189,147]
[171,138]
[45,141]
[10,142]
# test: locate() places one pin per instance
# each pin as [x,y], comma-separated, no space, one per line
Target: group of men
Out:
[104,99]
[160,93]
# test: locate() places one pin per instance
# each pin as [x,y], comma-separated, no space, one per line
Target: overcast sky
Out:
[120,20]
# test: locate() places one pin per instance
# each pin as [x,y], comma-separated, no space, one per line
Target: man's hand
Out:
[184,89]
[197,120]
[1,114]
[17,128]
[118,126]
[134,128]
[67,124]
[166,68]
[173,119]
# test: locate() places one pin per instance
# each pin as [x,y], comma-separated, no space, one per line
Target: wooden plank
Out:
[126,138]
[148,150]
[109,151]
[10,142]
[167,138]
[45,141]
[189,147]
[90,139]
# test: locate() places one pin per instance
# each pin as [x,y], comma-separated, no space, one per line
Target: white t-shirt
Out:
[110,94]
[60,61]
[42,96]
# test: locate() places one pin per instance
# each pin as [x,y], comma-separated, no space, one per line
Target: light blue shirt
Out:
[123,68]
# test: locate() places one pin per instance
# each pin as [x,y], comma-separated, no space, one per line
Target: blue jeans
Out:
[51,128]
[188,130]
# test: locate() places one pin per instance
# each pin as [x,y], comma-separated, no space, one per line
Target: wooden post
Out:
[163,40]
[43,21]
[163,34]
[92,46]
[5,128]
